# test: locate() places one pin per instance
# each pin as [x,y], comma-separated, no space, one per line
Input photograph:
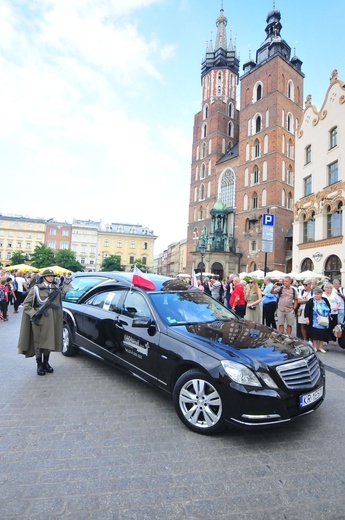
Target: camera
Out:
[279,284]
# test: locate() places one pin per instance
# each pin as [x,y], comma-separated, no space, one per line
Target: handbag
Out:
[323,321]
[252,307]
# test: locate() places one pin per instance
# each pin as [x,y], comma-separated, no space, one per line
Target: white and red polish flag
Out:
[140,279]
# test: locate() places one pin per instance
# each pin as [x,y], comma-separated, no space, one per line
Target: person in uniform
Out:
[40,336]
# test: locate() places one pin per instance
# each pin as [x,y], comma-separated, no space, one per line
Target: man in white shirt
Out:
[340,292]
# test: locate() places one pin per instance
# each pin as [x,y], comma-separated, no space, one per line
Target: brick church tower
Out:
[243,161]
[215,135]
[271,108]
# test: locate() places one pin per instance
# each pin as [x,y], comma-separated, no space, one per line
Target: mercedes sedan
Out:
[219,369]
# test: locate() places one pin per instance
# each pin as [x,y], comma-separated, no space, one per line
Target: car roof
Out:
[124,277]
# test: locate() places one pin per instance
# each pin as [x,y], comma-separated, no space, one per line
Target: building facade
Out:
[130,242]
[20,234]
[90,242]
[318,227]
[243,161]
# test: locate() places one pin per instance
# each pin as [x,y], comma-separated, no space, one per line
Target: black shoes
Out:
[43,367]
[40,368]
[46,365]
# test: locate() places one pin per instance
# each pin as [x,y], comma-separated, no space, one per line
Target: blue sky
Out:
[97,99]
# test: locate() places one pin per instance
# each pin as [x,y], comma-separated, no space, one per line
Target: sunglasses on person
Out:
[251,281]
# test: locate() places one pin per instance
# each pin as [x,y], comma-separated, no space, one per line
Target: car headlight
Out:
[240,373]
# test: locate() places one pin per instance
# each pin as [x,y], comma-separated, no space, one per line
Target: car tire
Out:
[68,349]
[198,404]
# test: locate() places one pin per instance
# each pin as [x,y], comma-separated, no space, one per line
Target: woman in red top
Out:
[237,298]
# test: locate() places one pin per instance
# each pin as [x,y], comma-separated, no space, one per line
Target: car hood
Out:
[244,341]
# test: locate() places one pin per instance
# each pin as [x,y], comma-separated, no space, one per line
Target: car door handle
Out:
[122,322]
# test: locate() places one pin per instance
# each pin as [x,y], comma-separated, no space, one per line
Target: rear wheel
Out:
[198,404]
[68,349]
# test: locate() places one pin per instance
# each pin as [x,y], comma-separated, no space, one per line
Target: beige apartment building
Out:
[129,241]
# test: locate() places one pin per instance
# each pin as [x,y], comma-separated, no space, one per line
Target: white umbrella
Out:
[257,274]
[276,274]
[293,274]
[243,275]
[311,274]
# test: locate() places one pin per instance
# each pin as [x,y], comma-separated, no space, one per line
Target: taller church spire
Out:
[222,55]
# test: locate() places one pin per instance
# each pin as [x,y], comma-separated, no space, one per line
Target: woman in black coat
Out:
[317,308]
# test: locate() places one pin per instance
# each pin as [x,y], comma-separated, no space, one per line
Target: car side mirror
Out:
[145,323]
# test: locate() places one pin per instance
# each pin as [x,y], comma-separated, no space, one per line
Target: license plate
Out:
[307,399]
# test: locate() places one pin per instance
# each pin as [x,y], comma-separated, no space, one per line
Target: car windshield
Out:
[177,308]
[79,286]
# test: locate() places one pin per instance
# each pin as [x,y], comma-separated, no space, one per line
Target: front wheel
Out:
[68,349]
[198,403]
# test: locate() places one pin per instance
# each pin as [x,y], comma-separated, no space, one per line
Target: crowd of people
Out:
[315,307]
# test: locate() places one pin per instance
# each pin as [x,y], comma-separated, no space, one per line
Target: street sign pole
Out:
[267,235]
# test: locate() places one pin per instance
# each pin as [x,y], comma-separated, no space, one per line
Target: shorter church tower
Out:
[271,108]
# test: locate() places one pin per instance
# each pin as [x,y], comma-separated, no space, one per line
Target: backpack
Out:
[2,293]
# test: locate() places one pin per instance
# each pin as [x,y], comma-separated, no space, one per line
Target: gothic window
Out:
[203,171]
[205,111]
[290,123]
[227,188]
[201,213]
[258,124]
[253,246]
[290,90]
[309,228]
[219,90]
[290,149]
[202,192]
[203,153]
[256,148]
[290,200]
[255,175]
[334,227]
[290,176]
[230,129]
[333,137]
[266,144]
[219,77]
[254,204]
[258,92]
[204,131]
[231,110]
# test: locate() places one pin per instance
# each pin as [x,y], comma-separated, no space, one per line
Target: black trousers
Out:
[240,310]
[269,310]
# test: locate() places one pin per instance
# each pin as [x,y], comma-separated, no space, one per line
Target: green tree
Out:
[18,257]
[112,263]
[43,256]
[143,267]
[66,258]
